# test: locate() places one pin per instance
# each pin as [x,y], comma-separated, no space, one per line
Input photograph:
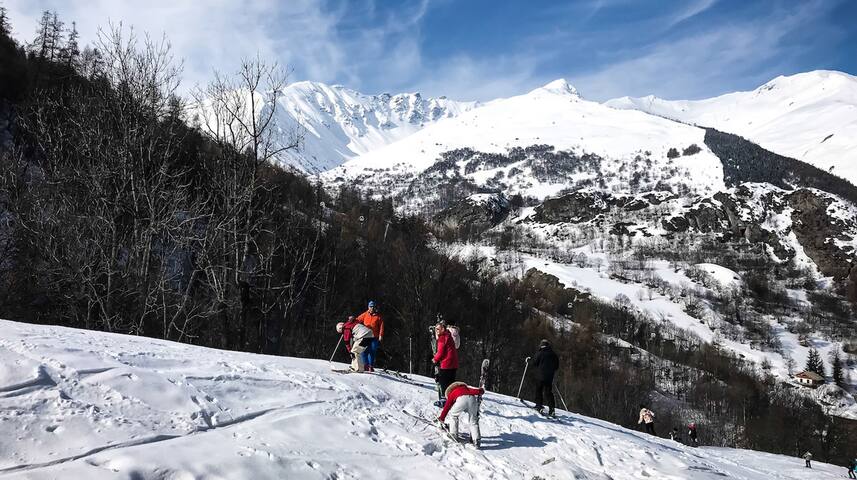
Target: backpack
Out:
[360,331]
[456,335]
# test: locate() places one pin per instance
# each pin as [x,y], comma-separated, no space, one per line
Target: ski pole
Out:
[521,386]
[556,386]
[334,351]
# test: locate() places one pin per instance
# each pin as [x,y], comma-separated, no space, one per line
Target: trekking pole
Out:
[521,386]
[556,386]
[334,351]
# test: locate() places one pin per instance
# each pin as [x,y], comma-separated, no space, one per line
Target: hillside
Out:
[105,406]
[809,116]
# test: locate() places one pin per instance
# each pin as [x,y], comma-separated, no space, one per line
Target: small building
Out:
[809,379]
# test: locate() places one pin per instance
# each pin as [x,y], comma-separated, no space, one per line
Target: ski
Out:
[553,417]
[483,372]
[398,378]
[396,373]
[446,434]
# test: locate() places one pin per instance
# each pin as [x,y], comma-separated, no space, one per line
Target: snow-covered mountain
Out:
[579,132]
[809,116]
[83,404]
[338,123]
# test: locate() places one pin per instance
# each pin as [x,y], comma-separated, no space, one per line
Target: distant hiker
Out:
[545,363]
[357,338]
[648,418]
[852,465]
[372,319]
[446,358]
[807,456]
[461,398]
[691,435]
[674,435]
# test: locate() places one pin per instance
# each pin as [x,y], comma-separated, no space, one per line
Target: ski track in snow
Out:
[79,404]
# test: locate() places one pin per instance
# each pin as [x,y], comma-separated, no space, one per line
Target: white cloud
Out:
[216,34]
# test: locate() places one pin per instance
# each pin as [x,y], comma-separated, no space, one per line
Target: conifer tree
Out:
[836,362]
[41,45]
[5,28]
[814,363]
[70,53]
[56,33]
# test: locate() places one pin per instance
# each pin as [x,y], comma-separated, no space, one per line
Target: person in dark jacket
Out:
[545,365]
[852,465]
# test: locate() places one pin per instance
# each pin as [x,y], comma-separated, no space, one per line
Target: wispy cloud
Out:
[690,10]
[687,67]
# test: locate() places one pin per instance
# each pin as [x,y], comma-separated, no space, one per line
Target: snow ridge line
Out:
[42,380]
[150,440]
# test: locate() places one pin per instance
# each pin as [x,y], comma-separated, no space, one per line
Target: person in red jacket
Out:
[461,398]
[357,338]
[446,358]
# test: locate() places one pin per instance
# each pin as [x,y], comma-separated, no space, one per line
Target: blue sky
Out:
[483,49]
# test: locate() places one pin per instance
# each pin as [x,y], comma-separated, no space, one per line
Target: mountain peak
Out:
[559,86]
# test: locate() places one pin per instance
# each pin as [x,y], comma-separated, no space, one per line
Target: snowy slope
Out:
[810,116]
[79,404]
[553,115]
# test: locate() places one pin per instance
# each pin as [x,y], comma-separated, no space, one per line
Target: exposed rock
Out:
[816,231]
[475,214]
[576,207]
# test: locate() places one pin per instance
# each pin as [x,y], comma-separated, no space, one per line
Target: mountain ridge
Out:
[809,116]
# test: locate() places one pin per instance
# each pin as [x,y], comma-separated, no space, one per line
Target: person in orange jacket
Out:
[372,319]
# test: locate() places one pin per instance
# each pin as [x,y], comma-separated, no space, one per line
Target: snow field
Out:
[79,404]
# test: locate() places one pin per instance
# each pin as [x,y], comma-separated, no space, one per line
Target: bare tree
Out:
[239,113]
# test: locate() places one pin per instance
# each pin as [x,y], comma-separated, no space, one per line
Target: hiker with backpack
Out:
[358,338]
[648,418]
[852,465]
[462,398]
[545,363]
[372,319]
[445,359]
